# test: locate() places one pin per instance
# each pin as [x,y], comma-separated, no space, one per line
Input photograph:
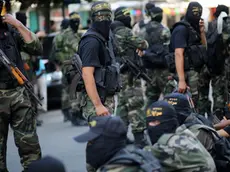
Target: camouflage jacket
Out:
[154,32]
[125,41]
[182,152]
[65,45]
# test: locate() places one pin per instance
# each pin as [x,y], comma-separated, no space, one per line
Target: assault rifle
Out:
[136,69]
[18,75]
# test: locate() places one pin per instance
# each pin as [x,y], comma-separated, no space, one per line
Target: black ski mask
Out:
[193,15]
[103,27]
[122,14]
[74,21]
[103,148]
[161,119]
[156,14]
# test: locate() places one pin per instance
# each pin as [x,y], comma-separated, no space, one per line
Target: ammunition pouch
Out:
[195,57]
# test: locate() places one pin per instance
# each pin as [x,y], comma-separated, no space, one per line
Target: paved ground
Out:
[56,139]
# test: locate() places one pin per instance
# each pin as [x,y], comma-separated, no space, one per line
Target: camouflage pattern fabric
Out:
[159,80]
[131,96]
[65,45]
[89,109]
[182,152]
[130,104]
[218,85]
[17,112]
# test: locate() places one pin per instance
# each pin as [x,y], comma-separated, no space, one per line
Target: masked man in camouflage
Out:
[215,70]
[15,103]
[158,37]
[177,148]
[130,98]
[65,45]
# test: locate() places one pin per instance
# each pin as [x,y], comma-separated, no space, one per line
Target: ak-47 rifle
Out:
[18,75]
[136,70]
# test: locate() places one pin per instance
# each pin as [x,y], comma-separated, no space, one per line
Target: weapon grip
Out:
[17,76]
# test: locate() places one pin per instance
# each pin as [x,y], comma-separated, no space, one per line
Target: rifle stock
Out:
[18,75]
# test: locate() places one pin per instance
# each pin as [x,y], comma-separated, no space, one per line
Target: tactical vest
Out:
[195,53]
[130,157]
[107,76]
[9,46]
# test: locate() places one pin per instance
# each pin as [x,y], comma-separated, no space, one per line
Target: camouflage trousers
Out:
[68,103]
[218,86]
[130,106]
[159,81]
[16,111]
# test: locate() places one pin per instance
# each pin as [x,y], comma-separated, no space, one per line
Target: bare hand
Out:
[224,123]
[182,86]
[202,27]
[140,52]
[102,110]
[9,19]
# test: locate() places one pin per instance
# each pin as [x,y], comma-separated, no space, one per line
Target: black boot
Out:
[140,140]
[67,114]
[77,119]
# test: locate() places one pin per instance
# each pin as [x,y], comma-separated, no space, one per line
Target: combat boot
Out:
[140,140]
[76,120]
[67,114]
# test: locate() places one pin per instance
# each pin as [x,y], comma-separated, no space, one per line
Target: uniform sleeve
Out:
[126,37]
[89,52]
[57,53]
[33,48]
[165,36]
[206,139]
[180,37]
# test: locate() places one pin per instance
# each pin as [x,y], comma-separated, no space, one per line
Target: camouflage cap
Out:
[101,11]
[121,11]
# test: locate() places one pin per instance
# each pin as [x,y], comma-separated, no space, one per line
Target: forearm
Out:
[91,89]
[25,33]
[179,60]
[203,39]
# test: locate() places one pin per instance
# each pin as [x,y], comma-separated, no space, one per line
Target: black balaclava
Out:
[221,8]
[122,14]
[148,6]
[102,149]
[165,115]
[64,24]
[21,16]
[101,18]
[193,15]
[156,14]
[74,21]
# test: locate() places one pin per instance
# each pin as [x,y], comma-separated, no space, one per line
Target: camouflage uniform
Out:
[65,46]
[182,152]
[130,98]
[17,112]
[155,33]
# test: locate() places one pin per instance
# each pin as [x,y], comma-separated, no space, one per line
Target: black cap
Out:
[161,111]
[108,126]
[46,164]
[148,6]
[221,8]
[179,101]
[121,11]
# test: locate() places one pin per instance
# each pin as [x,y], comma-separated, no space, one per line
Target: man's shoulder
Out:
[179,27]
[89,40]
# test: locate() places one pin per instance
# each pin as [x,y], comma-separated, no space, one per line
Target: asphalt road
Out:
[56,139]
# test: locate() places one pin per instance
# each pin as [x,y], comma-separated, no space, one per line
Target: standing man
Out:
[188,39]
[130,98]
[215,70]
[158,37]
[99,70]
[65,45]
[15,104]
